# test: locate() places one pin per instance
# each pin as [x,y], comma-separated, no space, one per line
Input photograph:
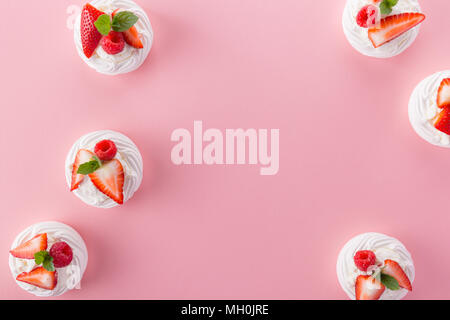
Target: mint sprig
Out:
[121,22]
[89,167]
[44,258]
[387,5]
[124,20]
[389,282]
[103,24]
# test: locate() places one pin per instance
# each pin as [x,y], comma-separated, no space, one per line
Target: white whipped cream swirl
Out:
[128,155]
[384,247]
[423,110]
[359,39]
[68,277]
[130,58]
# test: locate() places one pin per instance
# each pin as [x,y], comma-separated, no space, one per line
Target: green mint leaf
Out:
[48,264]
[103,24]
[389,282]
[39,257]
[385,7]
[89,167]
[392,3]
[123,21]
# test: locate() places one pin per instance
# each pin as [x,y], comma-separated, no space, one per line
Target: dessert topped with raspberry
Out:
[381,28]
[113,36]
[373,266]
[105,172]
[48,259]
[104,169]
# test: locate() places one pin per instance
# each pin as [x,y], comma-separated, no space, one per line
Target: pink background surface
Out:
[349,160]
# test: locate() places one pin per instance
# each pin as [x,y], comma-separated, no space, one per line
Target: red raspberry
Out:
[367,16]
[62,254]
[105,150]
[364,259]
[113,43]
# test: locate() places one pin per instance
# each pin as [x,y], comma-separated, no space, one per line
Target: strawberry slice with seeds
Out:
[39,277]
[393,26]
[109,179]
[82,156]
[393,269]
[443,97]
[442,122]
[368,288]
[28,249]
[131,35]
[90,37]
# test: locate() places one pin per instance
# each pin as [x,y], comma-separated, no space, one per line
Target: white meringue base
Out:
[423,110]
[128,155]
[384,247]
[130,58]
[68,277]
[359,39]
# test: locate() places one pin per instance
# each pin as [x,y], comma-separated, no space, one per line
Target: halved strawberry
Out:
[82,156]
[28,249]
[90,37]
[368,288]
[393,26]
[393,269]
[131,35]
[443,97]
[109,179]
[442,122]
[39,277]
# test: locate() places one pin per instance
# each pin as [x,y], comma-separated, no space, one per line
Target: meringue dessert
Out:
[48,259]
[381,28]
[429,109]
[113,36]
[104,169]
[374,266]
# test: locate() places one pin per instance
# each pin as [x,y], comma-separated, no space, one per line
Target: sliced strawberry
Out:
[109,179]
[132,38]
[443,97]
[131,35]
[393,26]
[90,37]
[442,123]
[28,249]
[82,156]
[368,288]
[393,269]
[39,277]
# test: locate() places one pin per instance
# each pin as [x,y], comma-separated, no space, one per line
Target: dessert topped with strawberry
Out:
[48,259]
[113,36]
[429,109]
[373,266]
[381,28]
[104,169]
[379,276]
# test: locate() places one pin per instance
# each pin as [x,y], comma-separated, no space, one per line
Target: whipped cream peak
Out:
[70,276]
[384,247]
[358,36]
[423,109]
[130,58]
[128,155]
